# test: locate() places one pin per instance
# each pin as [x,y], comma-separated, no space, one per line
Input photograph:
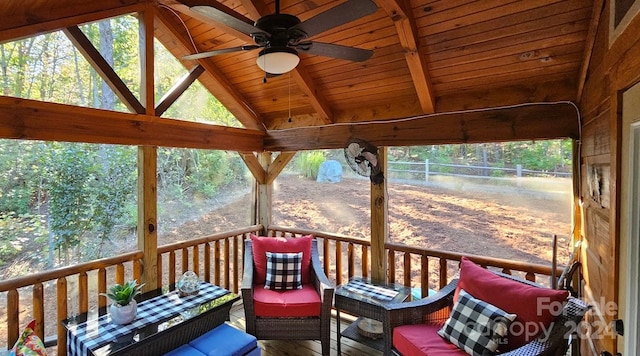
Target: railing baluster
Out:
[365,261]
[119,273]
[83,291]
[530,276]
[350,260]
[236,264]
[227,274]
[172,268]
[102,288]
[38,309]
[207,262]
[136,270]
[61,290]
[424,276]
[443,273]
[13,306]
[338,262]
[325,256]
[217,262]
[407,269]
[391,266]
[185,260]
[195,260]
[160,269]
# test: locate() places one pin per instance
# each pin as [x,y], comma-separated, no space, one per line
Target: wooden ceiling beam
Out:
[223,90]
[524,122]
[14,27]
[400,12]
[35,120]
[104,69]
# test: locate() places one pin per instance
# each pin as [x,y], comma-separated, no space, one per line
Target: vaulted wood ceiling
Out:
[428,57]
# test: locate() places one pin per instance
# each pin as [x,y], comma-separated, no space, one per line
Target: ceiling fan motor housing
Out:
[283,29]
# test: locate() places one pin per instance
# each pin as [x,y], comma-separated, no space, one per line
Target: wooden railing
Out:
[218,259]
[43,286]
[76,289]
[220,264]
[415,267]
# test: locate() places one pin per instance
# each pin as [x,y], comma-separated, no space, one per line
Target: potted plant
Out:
[124,307]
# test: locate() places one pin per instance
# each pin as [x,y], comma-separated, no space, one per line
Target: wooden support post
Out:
[147,162]
[265,193]
[379,217]
[147,215]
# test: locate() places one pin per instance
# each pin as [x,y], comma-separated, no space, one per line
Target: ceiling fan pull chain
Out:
[289,84]
[264,61]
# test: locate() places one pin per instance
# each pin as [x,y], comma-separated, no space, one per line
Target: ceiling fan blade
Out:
[336,51]
[336,16]
[228,20]
[219,51]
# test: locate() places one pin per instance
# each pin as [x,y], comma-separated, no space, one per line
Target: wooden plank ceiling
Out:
[428,56]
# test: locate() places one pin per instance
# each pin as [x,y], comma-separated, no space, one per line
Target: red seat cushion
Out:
[423,340]
[261,245]
[286,303]
[536,307]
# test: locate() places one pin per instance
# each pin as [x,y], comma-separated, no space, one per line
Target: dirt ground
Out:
[505,223]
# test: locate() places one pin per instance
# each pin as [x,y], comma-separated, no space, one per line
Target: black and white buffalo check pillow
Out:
[475,326]
[284,271]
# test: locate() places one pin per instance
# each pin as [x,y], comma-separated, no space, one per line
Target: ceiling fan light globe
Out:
[278,60]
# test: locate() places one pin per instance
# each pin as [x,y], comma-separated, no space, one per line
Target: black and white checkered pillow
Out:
[284,271]
[475,326]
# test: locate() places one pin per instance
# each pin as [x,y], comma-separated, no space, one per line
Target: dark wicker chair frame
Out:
[438,306]
[310,328]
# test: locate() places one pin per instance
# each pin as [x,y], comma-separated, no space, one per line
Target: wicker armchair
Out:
[436,308]
[289,328]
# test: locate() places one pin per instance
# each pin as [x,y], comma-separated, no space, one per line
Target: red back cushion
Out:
[536,307]
[261,245]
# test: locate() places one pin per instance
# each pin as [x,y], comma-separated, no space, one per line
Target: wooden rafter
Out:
[59,17]
[596,14]
[34,120]
[526,122]
[400,13]
[178,89]
[106,72]
[223,89]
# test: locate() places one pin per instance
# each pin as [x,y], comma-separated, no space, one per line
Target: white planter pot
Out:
[123,314]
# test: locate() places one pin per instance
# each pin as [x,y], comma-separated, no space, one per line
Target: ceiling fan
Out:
[281,36]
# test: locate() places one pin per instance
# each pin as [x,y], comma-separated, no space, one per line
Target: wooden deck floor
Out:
[304,348]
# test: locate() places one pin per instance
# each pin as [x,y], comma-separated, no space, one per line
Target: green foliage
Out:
[70,172]
[123,294]
[549,156]
[16,231]
[309,163]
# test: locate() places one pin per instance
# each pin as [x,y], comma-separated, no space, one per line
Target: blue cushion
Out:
[184,350]
[225,340]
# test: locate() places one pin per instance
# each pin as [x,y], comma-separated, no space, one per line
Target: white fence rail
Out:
[423,170]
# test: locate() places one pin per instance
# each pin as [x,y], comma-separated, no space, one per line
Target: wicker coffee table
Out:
[365,299]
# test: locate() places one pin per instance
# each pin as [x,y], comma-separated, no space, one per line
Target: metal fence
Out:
[426,169]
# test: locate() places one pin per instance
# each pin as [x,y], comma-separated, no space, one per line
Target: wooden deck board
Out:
[304,348]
